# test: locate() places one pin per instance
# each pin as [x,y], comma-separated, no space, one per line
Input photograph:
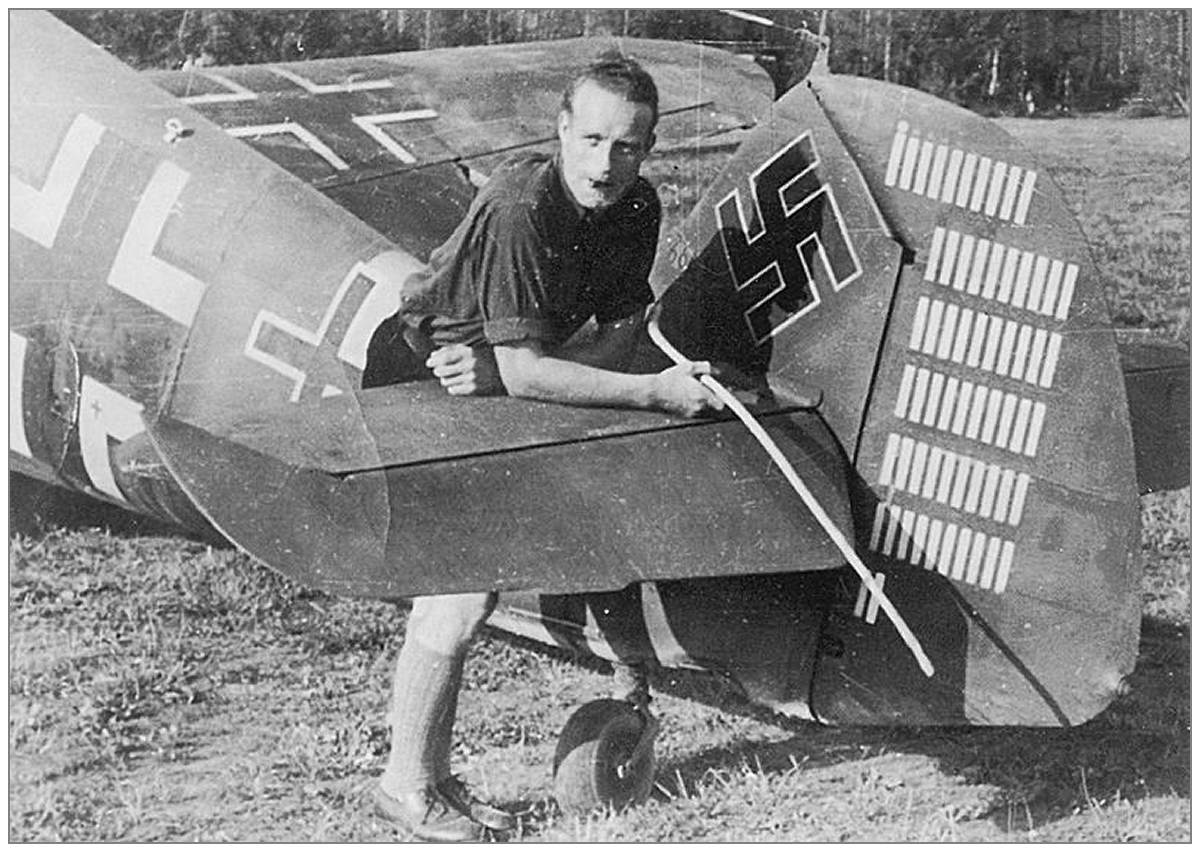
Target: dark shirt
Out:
[527,263]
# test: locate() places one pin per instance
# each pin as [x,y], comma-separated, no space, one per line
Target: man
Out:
[547,245]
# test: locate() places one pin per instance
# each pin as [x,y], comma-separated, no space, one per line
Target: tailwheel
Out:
[605,757]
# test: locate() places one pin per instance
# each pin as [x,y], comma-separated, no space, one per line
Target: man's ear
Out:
[564,121]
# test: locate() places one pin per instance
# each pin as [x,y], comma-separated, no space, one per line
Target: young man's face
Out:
[604,140]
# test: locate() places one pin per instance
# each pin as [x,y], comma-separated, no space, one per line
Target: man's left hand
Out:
[466,370]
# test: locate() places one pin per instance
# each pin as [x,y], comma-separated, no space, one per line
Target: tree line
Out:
[1004,61]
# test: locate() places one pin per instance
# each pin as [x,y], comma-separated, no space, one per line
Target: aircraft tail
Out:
[912,262]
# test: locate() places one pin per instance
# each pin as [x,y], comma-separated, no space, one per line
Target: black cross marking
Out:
[328,116]
[316,363]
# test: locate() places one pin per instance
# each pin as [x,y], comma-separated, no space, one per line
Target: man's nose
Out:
[602,158]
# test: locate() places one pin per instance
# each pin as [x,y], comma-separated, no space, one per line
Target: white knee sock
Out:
[424,702]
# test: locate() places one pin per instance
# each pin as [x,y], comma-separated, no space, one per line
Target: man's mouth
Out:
[599,191]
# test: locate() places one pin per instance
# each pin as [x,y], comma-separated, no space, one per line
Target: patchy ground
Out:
[164,689]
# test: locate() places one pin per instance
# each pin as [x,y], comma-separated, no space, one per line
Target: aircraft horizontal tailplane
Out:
[219,312]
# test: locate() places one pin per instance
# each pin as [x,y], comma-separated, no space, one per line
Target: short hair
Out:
[620,74]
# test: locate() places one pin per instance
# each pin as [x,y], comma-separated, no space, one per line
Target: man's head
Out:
[606,128]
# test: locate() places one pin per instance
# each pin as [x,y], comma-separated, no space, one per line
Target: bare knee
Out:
[447,623]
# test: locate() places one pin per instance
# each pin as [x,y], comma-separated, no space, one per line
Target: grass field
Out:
[163,688]
[1129,183]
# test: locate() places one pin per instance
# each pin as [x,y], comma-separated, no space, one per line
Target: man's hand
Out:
[750,388]
[466,371]
[678,390]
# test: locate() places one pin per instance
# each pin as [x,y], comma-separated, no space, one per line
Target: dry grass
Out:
[1129,183]
[163,689]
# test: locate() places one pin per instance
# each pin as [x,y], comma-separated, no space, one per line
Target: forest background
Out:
[997,62]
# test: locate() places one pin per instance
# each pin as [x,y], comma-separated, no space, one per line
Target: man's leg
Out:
[424,702]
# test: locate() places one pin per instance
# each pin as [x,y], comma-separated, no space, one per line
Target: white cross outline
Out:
[18,441]
[104,412]
[38,213]
[386,272]
[370,124]
[296,129]
[136,271]
[236,91]
[311,337]
[760,228]
[330,88]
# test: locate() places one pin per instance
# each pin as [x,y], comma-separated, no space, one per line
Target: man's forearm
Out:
[533,375]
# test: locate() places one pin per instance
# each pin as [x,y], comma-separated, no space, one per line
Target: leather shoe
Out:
[427,815]
[456,792]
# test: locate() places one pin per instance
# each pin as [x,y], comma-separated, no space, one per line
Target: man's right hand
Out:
[678,390]
[466,371]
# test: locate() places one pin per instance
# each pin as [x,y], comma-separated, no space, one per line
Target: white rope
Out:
[797,483]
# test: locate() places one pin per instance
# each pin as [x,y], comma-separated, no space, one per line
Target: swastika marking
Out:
[794,220]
